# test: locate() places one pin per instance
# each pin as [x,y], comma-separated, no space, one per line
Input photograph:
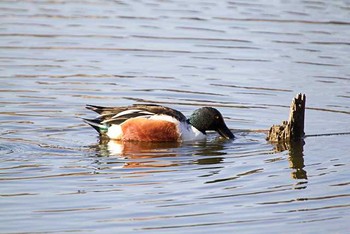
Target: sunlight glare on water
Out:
[246,58]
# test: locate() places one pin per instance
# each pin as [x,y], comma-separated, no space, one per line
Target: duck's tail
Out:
[97,109]
[96,124]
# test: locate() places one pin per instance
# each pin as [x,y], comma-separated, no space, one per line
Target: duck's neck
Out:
[198,123]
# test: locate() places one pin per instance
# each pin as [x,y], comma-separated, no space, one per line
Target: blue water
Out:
[246,58]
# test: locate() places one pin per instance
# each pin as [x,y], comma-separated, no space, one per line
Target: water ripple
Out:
[244,58]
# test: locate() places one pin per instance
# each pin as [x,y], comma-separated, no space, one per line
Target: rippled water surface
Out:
[246,58]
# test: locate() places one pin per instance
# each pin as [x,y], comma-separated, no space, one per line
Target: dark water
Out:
[247,58]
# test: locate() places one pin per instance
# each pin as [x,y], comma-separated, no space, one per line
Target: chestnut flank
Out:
[140,129]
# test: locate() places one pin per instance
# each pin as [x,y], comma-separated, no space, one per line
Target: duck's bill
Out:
[225,132]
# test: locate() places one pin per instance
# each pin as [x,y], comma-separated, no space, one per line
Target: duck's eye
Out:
[217,117]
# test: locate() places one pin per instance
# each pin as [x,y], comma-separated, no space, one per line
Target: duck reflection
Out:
[142,149]
[161,154]
[296,157]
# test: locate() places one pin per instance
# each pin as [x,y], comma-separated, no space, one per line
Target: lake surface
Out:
[246,58]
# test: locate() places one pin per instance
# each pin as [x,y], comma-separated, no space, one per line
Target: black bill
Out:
[225,132]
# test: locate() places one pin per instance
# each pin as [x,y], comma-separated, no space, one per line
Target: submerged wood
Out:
[293,129]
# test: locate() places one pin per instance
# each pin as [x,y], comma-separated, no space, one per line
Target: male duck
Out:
[155,123]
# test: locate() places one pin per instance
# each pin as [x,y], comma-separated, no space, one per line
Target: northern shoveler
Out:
[154,123]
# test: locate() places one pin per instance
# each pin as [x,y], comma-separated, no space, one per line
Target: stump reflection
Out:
[296,157]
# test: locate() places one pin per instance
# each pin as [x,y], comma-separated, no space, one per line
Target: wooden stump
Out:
[293,129]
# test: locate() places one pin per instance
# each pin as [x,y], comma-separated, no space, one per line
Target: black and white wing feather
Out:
[117,115]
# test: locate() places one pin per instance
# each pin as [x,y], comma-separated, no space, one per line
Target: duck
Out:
[156,123]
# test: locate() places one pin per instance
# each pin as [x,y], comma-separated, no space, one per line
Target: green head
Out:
[208,118]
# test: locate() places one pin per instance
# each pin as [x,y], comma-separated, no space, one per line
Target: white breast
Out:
[190,133]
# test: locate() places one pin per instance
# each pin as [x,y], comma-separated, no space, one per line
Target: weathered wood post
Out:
[289,136]
[293,129]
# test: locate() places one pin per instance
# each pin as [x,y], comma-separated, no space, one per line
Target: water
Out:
[246,58]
